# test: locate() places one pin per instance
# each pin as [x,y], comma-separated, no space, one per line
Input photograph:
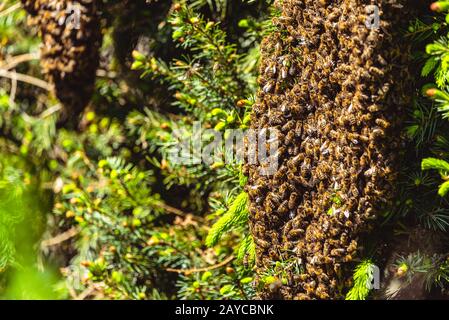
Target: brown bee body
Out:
[382,123]
[292,200]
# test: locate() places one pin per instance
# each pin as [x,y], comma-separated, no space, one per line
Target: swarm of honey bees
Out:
[71,38]
[334,82]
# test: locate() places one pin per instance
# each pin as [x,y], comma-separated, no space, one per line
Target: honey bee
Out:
[366,118]
[269,206]
[351,119]
[350,82]
[342,138]
[278,48]
[341,121]
[290,137]
[292,71]
[275,118]
[287,227]
[328,260]
[306,165]
[262,243]
[376,71]
[352,246]
[382,123]
[268,87]
[253,208]
[283,208]
[308,149]
[288,126]
[320,173]
[273,254]
[374,108]
[254,191]
[294,163]
[292,201]
[286,110]
[387,171]
[259,229]
[295,233]
[371,172]
[271,69]
[377,132]
[321,292]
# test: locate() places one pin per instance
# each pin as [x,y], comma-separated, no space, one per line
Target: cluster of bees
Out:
[336,89]
[71,39]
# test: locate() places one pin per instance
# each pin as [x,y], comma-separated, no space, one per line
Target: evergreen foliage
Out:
[363,275]
[127,222]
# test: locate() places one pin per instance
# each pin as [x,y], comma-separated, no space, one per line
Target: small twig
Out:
[167,244]
[10,10]
[48,112]
[189,271]
[27,79]
[60,238]
[16,60]
[177,212]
